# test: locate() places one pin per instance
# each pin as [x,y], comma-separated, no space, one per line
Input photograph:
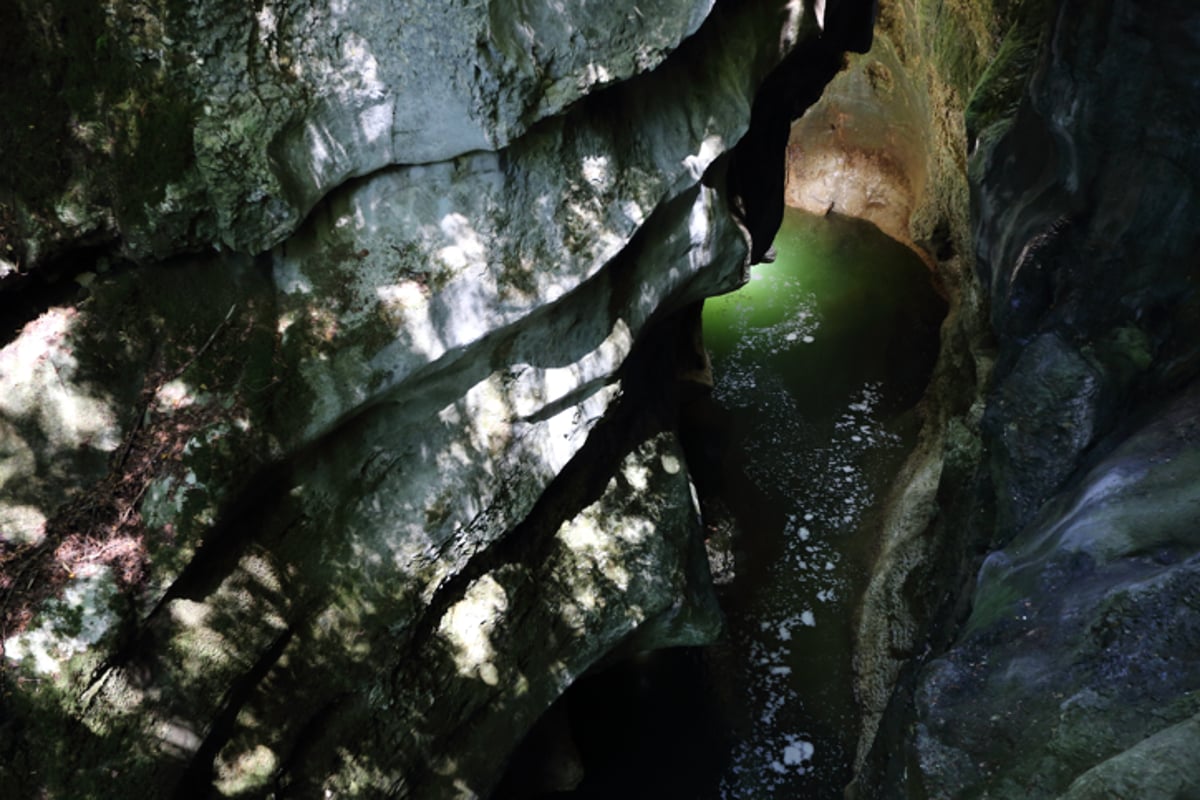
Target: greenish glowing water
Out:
[818,362]
[843,306]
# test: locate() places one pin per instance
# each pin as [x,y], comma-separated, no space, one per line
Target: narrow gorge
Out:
[671,398]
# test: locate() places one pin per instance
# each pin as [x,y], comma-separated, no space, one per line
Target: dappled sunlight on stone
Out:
[364,69]
[260,570]
[466,248]
[494,236]
[38,384]
[710,148]
[68,626]
[488,413]
[206,648]
[178,738]
[566,431]
[598,547]
[16,456]
[531,389]
[474,470]
[485,275]
[247,771]
[438,253]
[469,625]
[173,395]
[56,421]
[21,524]
[596,171]
[619,572]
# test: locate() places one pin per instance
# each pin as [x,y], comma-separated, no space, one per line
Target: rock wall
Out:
[336,393]
[226,122]
[337,384]
[1070,669]
[1088,608]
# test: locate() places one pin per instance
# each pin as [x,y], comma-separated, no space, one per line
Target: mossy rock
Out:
[999,90]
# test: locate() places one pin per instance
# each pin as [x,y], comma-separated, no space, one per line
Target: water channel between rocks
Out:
[818,362]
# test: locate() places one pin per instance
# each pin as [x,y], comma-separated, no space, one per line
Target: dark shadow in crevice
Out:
[24,296]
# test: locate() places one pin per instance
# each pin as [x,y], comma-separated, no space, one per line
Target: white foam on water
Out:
[797,752]
[789,458]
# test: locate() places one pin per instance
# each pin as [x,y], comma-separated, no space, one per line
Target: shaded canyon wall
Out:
[336,429]
[1035,609]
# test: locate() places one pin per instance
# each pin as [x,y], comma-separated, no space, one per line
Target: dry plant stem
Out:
[204,347]
[140,418]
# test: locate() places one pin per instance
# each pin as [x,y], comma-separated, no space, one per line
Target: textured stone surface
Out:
[1042,419]
[1083,638]
[1067,665]
[1078,240]
[261,110]
[1162,765]
[1076,662]
[862,151]
[339,502]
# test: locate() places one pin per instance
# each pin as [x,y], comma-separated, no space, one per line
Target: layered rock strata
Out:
[344,441]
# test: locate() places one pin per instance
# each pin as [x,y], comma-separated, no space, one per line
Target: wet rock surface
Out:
[1084,639]
[1075,665]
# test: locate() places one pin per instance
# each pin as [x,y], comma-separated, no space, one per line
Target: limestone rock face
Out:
[862,150]
[348,442]
[1082,238]
[259,111]
[1082,646]
[1076,664]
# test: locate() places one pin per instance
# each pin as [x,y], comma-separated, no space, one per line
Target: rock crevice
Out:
[356,385]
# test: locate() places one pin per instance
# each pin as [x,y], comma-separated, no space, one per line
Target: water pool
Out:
[818,362]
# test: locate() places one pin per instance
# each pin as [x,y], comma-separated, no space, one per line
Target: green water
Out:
[819,361]
[843,306]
